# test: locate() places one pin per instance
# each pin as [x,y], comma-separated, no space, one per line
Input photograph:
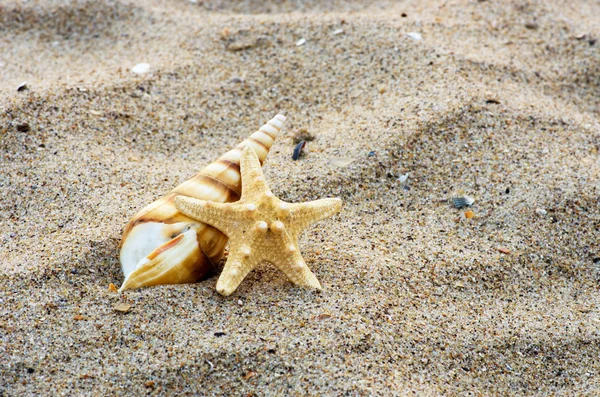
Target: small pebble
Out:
[371,154]
[23,127]
[22,86]
[300,42]
[112,288]
[141,68]
[503,250]
[78,317]
[122,307]
[469,214]
[541,211]
[415,36]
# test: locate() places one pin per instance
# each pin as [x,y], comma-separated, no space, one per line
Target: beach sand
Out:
[496,100]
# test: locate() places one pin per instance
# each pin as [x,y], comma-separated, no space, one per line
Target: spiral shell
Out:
[160,245]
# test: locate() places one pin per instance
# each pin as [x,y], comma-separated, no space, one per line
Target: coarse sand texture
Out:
[408,110]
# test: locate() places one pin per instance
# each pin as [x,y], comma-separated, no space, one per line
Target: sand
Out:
[496,100]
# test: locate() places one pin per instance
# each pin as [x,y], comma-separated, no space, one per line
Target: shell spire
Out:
[160,245]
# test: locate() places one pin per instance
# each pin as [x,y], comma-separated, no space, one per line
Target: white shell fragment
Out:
[338,31]
[141,68]
[403,178]
[300,42]
[22,86]
[462,201]
[541,211]
[415,36]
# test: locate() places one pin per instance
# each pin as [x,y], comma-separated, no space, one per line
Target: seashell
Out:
[160,245]
[462,201]
[403,178]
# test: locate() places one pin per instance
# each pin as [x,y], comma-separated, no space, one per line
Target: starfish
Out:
[260,227]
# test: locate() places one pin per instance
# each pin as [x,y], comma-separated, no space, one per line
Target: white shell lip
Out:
[168,260]
[141,241]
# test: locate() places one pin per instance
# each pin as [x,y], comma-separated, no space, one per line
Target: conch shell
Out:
[160,245]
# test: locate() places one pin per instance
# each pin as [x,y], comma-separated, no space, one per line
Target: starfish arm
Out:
[303,215]
[236,269]
[297,271]
[219,215]
[253,179]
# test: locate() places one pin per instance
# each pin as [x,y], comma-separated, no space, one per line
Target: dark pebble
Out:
[30,370]
[23,127]
[219,334]
[371,154]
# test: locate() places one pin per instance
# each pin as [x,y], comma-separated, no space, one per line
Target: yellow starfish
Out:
[260,227]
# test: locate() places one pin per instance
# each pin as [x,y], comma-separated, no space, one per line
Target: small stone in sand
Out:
[300,42]
[150,384]
[112,288]
[22,86]
[249,375]
[241,45]
[469,214]
[541,211]
[78,317]
[23,127]
[503,250]
[141,68]
[122,307]
[415,36]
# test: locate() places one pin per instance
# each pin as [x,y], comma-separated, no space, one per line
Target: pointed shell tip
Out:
[280,117]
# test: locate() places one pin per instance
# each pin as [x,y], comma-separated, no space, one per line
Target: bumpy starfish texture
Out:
[260,227]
